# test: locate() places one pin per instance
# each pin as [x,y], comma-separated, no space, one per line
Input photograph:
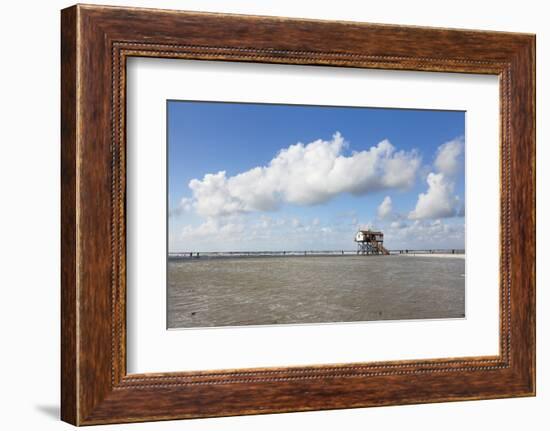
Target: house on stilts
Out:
[370,242]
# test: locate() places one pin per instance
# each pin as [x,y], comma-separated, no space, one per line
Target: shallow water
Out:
[291,290]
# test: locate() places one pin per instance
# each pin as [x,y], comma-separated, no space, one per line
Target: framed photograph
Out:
[264,214]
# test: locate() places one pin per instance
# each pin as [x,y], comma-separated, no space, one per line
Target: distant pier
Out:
[185,255]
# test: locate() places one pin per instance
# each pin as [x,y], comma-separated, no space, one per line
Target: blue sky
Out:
[288,177]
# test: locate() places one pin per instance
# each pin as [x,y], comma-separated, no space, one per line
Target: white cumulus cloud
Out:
[448,160]
[185,205]
[385,209]
[305,174]
[438,201]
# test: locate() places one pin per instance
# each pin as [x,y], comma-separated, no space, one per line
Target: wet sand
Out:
[440,255]
[315,289]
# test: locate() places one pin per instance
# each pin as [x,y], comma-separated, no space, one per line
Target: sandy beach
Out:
[440,255]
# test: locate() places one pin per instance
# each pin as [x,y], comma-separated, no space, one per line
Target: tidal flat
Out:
[240,291]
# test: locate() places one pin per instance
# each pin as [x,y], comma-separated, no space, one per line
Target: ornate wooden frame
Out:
[95,42]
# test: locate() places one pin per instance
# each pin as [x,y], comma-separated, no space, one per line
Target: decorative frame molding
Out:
[96,41]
